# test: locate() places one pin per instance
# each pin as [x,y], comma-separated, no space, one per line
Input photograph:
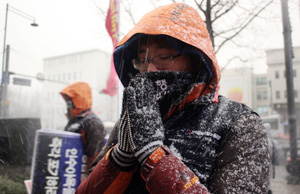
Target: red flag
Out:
[112,29]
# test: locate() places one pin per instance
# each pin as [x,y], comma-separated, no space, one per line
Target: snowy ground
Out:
[279,184]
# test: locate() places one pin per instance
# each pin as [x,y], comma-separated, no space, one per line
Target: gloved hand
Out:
[145,123]
[122,154]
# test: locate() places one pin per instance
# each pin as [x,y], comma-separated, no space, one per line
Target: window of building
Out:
[261,81]
[265,110]
[259,110]
[276,74]
[277,94]
[265,95]
[74,75]
[258,81]
[264,80]
[69,76]
[258,95]
[262,110]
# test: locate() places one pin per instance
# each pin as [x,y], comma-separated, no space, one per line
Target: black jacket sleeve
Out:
[112,140]
[94,136]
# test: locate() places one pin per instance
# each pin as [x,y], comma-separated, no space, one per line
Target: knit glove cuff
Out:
[146,151]
[122,160]
[122,155]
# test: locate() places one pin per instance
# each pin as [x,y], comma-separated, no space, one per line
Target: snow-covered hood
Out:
[81,96]
[184,30]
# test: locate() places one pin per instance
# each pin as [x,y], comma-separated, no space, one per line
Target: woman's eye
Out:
[164,57]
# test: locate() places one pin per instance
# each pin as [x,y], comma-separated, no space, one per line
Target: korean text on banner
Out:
[58,163]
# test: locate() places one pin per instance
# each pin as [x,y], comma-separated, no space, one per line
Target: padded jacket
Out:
[84,121]
[212,144]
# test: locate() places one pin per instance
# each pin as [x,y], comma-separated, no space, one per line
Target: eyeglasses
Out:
[159,61]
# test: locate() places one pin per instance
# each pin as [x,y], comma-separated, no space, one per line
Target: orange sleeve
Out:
[106,179]
[165,173]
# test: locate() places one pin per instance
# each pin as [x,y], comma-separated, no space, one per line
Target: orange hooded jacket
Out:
[90,126]
[178,21]
[186,32]
[234,171]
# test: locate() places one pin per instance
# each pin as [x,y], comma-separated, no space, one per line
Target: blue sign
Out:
[58,162]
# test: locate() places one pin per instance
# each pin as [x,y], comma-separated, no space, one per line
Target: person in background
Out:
[175,133]
[276,155]
[82,120]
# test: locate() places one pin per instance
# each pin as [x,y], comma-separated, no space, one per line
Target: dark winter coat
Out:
[223,143]
[83,120]
[212,144]
[92,133]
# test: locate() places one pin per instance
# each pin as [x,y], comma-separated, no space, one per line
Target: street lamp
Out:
[5,73]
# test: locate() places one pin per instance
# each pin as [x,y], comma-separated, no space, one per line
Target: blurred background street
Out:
[279,183]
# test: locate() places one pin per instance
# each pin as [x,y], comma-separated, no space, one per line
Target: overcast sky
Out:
[67,26]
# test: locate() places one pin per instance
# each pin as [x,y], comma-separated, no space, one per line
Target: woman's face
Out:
[160,56]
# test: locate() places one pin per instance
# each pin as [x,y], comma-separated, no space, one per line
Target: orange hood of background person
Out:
[178,21]
[81,96]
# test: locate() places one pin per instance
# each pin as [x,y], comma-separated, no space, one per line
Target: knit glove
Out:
[122,154]
[146,128]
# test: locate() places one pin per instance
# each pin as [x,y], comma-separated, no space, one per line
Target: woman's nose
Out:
[152,67]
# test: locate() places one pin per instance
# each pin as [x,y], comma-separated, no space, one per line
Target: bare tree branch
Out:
[244,45]
[225,11]
[233,58]
[153,3]
[243,27]
[199,5]
[99,9]
[128,11]
[214,5]
[217,34]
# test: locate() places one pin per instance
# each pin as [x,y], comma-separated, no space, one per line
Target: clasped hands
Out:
[140,129]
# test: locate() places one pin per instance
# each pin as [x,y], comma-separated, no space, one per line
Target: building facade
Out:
[266,93]
[278,85]
[236,84]
[261,98]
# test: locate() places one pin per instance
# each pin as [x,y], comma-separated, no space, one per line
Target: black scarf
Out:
[169,86]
